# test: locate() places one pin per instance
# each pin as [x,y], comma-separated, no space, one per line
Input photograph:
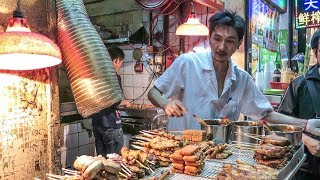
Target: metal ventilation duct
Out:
[88,65]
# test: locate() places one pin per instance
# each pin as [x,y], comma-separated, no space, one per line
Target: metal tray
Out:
[212,166]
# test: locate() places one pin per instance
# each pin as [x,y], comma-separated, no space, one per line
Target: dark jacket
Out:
[108,117]
[297,102]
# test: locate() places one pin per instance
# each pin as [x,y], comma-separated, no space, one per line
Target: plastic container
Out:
[278,85]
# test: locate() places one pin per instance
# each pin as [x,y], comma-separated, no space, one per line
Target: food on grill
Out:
[246,171]
[275,151]
[194,135]
[190,158]
[272,150]
[189,150]
[218,152]
[276,140]
[93,167]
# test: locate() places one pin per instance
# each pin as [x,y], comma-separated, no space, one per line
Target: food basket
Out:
[278,85]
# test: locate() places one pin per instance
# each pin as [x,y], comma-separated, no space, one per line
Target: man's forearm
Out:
[156,98]
[277,118]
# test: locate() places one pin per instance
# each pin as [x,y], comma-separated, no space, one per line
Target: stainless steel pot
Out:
[293,133]
[246,131]
[219,133]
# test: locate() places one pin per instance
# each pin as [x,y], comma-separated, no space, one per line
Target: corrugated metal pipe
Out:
[92,77]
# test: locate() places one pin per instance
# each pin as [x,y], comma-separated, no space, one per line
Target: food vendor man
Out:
[210,85]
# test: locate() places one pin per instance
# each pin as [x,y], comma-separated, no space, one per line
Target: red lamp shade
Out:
[21,49]
[192,27]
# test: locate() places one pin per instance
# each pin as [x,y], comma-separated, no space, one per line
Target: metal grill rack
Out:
[213,166]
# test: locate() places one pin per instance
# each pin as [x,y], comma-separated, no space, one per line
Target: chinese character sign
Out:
[307,13]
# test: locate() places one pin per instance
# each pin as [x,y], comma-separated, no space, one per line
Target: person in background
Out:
[302,100]
[106,124]
[210,85]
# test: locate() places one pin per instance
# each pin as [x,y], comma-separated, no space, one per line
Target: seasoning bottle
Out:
[277,74]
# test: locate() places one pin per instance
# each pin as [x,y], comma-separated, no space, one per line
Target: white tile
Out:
[128,67]
[84,150]
[83,138]
[146,101]
[73,128]
[140,101]
[91,139]
[137,80]
[146,80]
[127,80]
[137,92]
[71,157]
[128,55]
[72,141]
[63,158]
[66,129]
[92,148]
[128,92]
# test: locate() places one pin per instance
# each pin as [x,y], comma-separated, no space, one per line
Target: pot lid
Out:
[151,4]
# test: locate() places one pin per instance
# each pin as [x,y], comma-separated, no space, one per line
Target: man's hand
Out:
[312,145]
[175,108]
[313,126]
[125,103]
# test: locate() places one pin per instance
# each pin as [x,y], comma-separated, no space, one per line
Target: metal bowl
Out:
[219,133]
[293,133]
[246,131]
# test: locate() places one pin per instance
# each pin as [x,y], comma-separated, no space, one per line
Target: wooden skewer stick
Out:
[144,166]
[127,173]
[125,167]
[121,174]
[71,171]
[138,147]
[54,176]
[150,169]
[151,162]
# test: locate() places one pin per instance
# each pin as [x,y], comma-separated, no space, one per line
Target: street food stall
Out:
[277,152]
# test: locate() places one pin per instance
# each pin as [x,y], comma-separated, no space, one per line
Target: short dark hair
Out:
[228,18]
[315,40]
[115,52]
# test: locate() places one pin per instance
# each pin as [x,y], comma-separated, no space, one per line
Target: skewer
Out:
[121,174]
[150,169]
[53,176]
[151,162]
[68,171]
[125,167]
[144,166]
[127,173]
[148,132]
[139,148]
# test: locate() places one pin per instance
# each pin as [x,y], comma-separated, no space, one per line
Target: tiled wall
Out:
[135,84]
[77,140]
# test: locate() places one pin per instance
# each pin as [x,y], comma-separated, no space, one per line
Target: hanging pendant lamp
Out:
[192,27]
[21,49]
